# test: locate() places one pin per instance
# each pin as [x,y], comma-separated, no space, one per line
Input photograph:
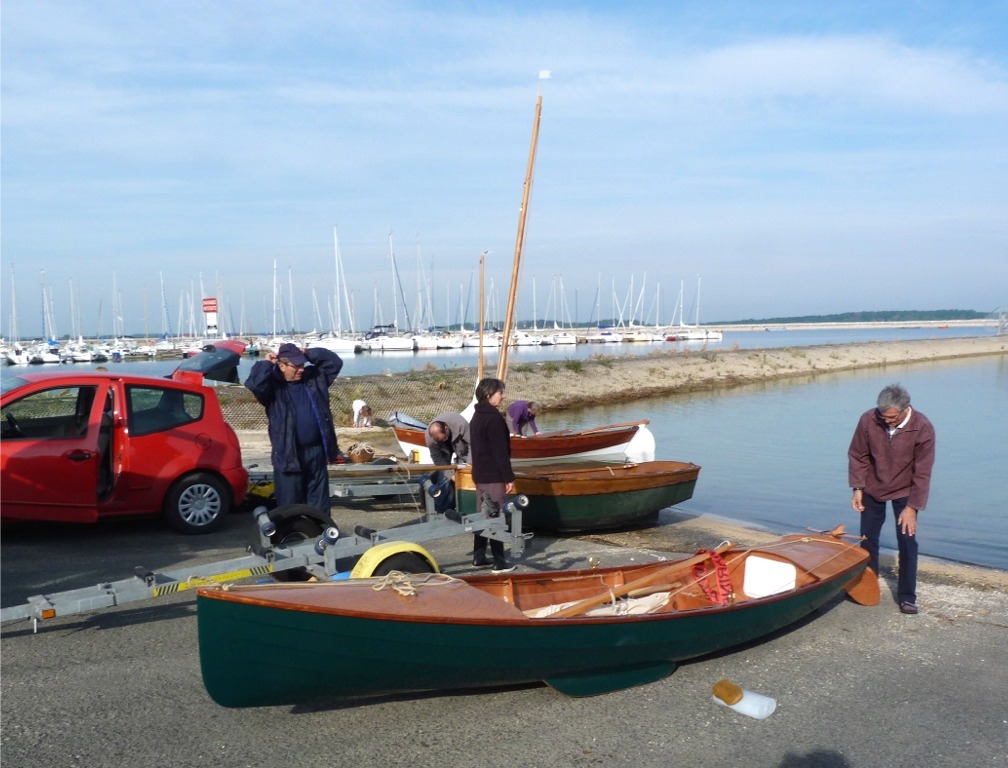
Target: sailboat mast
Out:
[339,313]
[479,364]
[509,315]
[274,299]
[698,300]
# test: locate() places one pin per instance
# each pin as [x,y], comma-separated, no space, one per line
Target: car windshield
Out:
[9,385]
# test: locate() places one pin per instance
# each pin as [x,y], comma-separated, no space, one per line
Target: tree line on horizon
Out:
[883,316]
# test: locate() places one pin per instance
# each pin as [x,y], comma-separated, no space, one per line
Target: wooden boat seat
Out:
[627,606]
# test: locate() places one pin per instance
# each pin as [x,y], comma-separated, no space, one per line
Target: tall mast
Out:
[339,313]
[698,301]
[479,365]
[13,328]
[519,241]
[274,299]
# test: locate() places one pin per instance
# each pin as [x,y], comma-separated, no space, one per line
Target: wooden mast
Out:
[509,315]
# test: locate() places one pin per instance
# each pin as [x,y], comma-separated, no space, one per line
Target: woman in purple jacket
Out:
[490,454]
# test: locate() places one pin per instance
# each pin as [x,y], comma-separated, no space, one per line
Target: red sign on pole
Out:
[209,305]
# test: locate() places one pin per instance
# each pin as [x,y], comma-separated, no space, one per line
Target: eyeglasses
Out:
[892,418]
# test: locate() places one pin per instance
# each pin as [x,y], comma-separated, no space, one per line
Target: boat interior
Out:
[696,583]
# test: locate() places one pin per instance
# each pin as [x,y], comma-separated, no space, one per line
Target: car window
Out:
[154,409]
[57,413]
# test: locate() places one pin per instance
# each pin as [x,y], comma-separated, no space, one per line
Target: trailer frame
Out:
[325,557]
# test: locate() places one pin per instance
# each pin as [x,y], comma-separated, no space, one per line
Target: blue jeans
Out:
[871,526]
[310,485]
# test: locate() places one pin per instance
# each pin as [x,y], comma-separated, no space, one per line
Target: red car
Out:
[80,446]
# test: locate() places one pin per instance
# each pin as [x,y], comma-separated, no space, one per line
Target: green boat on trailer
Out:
[591,496]
[582,632]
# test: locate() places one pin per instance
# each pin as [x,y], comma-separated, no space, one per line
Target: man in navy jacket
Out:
[301,430]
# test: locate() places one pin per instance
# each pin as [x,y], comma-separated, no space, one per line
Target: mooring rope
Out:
[406,584]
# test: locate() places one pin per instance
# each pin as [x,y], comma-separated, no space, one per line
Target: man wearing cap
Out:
[301,430]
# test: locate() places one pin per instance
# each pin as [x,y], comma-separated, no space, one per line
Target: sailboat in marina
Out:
[12,352]
[562,335]
[386,338]
[684,332]
[340,340]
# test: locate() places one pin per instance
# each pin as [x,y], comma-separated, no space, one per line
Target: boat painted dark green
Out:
[572,497]
[582,632]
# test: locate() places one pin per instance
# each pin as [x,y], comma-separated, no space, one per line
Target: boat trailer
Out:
[330,555]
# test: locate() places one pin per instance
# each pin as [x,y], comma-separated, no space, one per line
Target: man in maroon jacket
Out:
[890,459]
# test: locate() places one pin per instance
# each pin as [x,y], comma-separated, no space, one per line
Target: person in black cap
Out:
[301,430]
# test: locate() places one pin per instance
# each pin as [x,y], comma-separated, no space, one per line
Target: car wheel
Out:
[197,503]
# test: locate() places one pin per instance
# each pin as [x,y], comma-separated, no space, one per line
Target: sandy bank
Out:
[605,378]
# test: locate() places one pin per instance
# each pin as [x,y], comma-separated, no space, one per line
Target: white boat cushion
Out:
[765,577]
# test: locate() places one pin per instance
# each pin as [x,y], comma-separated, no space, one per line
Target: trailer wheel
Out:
[407,562]
[197,503]
[292,530]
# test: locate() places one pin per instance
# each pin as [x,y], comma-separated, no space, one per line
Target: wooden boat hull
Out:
[612,442]
[295,643]
[583,499]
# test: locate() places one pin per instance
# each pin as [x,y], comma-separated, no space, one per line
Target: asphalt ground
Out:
[854,686]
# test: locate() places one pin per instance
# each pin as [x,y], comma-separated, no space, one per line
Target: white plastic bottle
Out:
[728,694]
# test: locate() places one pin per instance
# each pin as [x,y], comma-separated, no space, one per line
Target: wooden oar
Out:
[610,594]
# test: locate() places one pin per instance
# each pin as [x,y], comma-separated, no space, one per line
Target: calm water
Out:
[775,454]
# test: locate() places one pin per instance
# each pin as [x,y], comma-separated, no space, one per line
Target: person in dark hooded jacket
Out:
[490,452]
[301,430]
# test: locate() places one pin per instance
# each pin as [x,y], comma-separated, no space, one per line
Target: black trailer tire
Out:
[407,562]
[197,503]
[292,530]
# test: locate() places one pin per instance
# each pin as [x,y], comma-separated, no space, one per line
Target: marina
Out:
[364,363]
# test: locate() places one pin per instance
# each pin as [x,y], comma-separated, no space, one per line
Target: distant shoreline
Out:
[792,326]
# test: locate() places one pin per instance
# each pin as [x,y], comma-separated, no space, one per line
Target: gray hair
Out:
[893,396]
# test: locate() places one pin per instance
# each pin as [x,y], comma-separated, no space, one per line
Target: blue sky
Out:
[801,157]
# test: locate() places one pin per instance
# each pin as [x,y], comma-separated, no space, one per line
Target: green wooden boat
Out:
[582,632]
[582,497]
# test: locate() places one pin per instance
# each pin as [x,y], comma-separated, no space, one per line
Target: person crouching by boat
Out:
[362,416]
[490,451]
[522,414]
[300,422]
[447,439]
[448,436]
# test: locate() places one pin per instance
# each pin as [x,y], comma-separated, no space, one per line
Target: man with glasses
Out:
[300,422]
[890,459]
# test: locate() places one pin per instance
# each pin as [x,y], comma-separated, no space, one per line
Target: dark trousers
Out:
[491,498]
[310,485]
[871,527]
